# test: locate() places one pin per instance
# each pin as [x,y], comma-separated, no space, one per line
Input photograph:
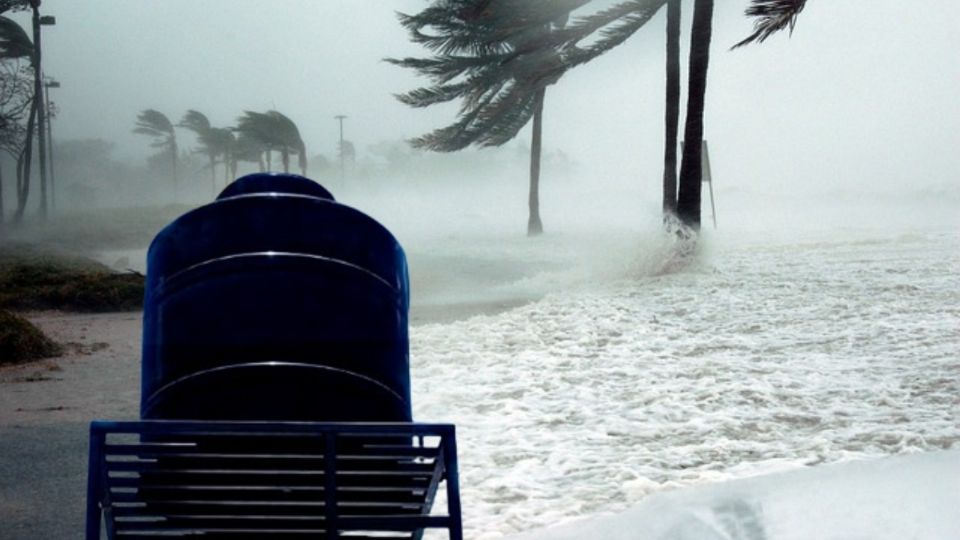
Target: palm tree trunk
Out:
[672,117]
[534,225]
[213,173]
[269,160]
[173,167]
[285,156]
[691,168]
[302,157]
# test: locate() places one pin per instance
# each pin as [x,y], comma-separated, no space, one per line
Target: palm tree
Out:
[156,124]
[16,99]
[245,148]
[214,142]
[273,131]
[224,140]
[288,137]
[198,123]
[691,167]
[496,63]
[14,41]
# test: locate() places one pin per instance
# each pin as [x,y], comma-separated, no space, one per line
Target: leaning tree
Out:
[154,123]
[214,142]
[495,56]
[589,36]
[273,131]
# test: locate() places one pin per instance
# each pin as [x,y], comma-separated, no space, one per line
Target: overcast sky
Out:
[865,92]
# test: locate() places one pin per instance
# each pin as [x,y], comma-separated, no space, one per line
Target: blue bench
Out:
[232,480]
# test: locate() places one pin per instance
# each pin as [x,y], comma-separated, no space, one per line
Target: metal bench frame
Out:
[444,469]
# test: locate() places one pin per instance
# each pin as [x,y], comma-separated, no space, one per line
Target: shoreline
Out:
[98,376]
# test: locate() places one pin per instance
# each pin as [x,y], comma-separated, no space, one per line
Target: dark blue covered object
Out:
[276,303]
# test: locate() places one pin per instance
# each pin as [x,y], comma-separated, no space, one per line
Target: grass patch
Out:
[21,341]
[35,278]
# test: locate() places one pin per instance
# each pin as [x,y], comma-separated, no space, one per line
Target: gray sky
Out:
[865,93]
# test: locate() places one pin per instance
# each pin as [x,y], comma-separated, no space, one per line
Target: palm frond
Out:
[195,121]
[14,42]
[153,120]
[771,16]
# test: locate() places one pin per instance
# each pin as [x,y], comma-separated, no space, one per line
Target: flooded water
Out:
[769,353]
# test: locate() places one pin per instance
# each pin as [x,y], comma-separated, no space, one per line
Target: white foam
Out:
[766,354]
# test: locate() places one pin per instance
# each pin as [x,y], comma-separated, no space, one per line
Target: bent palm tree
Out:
[14,41]
[271,131]
[214,142]
[155,124]
[246,147]
[498,61]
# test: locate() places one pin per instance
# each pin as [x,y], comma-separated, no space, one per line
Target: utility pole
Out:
[38,97]
[341,117]
[53,184]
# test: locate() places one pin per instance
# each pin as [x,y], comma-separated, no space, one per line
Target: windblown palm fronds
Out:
[214,142]
[493,55]
[270,131]
[496,55]
[154,123]
[772,16]
[14,41]
[196,122]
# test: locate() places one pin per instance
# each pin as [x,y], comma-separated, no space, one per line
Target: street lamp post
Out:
[53,184]
[39,21]
[341,117]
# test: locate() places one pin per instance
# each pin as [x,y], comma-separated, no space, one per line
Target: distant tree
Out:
[16,45]
[224,139]
[16,99]
[14,41]
[214,142]
[246,147]
[273,131]
[495,57]
[155,124]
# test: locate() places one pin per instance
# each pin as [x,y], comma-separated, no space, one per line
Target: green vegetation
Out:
[33,278]
[21,341]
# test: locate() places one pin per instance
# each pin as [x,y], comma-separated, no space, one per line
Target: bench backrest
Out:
[270,480]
